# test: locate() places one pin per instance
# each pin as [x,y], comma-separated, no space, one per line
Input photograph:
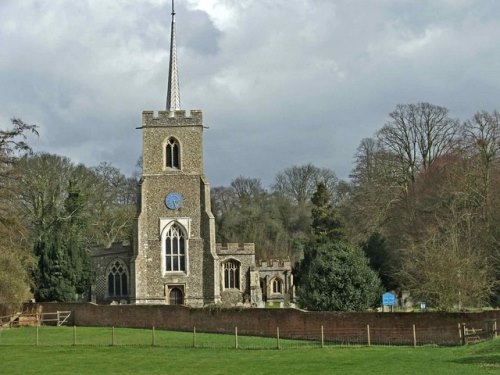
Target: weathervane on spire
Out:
[173,94]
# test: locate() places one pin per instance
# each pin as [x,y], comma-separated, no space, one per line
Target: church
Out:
[174,259]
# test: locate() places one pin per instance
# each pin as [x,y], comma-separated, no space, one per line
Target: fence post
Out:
[414,337]
[368,335]
[278,338]
[74,335]
[58,318]
[194,337]
[236,337]
[153,341]
[112,336]
[322,337]
[37,334]
[495,334]
[462,333]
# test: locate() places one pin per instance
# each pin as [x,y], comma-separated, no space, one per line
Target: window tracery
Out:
[231,275]
[175,249]
[117,279]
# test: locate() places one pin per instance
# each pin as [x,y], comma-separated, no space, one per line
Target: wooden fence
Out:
[58,318]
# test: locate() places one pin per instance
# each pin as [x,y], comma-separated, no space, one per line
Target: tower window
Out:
[117,280]
[277,285]
[175,247]
[231,275]
[172,154]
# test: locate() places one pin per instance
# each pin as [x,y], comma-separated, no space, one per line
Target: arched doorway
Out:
[176,296]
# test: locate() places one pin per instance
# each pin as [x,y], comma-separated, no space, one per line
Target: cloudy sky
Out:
[280,82]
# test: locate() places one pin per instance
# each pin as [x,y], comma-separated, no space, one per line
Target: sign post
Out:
[388,299]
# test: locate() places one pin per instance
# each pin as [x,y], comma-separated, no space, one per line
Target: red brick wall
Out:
[396,328]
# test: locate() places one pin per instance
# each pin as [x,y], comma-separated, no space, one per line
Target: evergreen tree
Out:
[377,251]
[63,272]
[327,224]
[338,278]
[333,274]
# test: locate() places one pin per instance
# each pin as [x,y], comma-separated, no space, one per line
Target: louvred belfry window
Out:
[172,154]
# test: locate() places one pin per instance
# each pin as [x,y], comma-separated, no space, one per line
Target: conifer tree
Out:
[334,275]
[327,224]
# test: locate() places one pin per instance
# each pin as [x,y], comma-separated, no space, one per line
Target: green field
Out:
[173,353]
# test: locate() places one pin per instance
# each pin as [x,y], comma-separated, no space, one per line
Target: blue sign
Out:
[388,299]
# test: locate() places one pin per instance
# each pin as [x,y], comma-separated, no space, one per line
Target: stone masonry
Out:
[202,282]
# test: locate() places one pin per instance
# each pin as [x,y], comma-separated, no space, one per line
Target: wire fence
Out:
[282,338]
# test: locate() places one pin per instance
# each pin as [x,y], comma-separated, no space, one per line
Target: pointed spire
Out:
[173,94]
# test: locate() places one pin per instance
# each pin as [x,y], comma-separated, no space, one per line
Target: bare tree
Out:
[418,134]
[16,260]
[481,137]
[299,182]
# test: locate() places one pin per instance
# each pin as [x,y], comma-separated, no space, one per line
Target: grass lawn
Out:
[174,355]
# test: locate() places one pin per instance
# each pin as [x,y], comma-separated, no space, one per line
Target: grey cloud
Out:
[291,82]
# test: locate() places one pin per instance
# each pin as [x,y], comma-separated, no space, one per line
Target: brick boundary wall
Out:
[394,328]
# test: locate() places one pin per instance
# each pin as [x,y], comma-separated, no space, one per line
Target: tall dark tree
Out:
[334,275]
[377,251]
[327,224]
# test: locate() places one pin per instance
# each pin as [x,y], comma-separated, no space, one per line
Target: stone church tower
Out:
[174,259]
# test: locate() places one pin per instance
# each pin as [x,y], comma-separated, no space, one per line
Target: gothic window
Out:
[277,285]
[231,275]
[176,297]
[117,279]
[175,249]
[172,154]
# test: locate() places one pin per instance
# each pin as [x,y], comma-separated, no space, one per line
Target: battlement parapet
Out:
[272,264]
[233,247]
[172,118]
[114,249]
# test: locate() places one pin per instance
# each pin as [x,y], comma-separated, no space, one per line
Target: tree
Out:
[450,258]
[246,212]
[16,260]
[333,274]
[55,197]
[377,251]
[446,273]
[338,278]
[112,205]
[327,224]
[376,187]
[418,134]
[299,182]
[481,141]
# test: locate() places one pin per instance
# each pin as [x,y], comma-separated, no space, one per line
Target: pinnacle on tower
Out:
[173,94]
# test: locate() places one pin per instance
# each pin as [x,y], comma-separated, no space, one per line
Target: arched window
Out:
[176,297]
[175,249]
[172,154]
[117,279]
[231,275]
[277,286]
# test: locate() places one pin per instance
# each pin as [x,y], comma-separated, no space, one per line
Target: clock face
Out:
[173,201]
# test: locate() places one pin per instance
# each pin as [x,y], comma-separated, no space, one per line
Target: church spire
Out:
[173,94]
